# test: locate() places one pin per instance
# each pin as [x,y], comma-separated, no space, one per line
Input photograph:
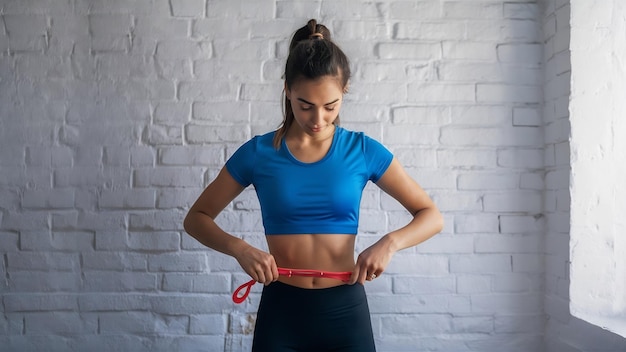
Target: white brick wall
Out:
[563,331]
[116,114]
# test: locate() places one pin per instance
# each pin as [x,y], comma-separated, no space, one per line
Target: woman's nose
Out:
[318,116]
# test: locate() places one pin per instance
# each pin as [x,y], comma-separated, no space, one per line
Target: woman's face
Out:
[315,104]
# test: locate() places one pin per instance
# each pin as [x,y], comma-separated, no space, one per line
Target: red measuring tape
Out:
[338,275]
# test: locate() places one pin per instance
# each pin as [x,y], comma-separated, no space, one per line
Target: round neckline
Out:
[326,156]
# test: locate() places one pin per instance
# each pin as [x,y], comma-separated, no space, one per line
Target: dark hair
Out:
[311,55]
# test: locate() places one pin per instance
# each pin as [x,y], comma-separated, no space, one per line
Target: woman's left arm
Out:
[427,221]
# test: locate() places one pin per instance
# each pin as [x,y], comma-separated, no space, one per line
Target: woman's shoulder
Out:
[361,137]
[261,139]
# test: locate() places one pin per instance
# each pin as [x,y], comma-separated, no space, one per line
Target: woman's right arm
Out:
[200,224]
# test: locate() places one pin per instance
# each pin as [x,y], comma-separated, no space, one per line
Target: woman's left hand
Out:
[372,262]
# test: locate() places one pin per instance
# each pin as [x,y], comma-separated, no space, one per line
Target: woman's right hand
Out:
[260,265]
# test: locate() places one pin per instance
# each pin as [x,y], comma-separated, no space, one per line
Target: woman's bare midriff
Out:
[327,252]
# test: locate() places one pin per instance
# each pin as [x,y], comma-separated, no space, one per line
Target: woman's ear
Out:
[287,92]
[345,89]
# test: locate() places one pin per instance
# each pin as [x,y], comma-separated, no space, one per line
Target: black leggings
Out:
[297,319]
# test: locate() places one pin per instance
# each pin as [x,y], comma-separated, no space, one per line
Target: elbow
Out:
[433,218]
[188,222]
[438,221]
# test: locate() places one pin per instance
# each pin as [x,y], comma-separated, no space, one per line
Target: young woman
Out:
[309,176]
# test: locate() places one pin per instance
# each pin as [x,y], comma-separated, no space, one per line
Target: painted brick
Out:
[516,283]
[198,283]
[141,323]
[228,29]
[411,135]
[126,7]
[447,244]
[433,178]
[469,50]
[490,136]
[289,8]
[475,264]
[416,157]
[418,264]
[448,202]
[424,285]
[114,302]
[259,9]
[532,181]
[501,243]
[521,224]
[521,158]
[44,261]
[476,223]
[464,10]
[119,66]
[37,302]
[474,283]
[60,323]
[119,282]
[164,135]
[108,221]
[188,8]
[475,158]
[494,181]
[380,72]
[424,323]
[411,304]
[429,31]
[194,49]
[57,241]
[181,305]
[26,24]
[513,202]
[9,242]
[415,51]
[206,91]
[411,10]
[160,27]
[473,324]
[165,240]
[500,93]
[177,197]
[503,31]
[127,199]
[185,262]
[441,93]
[36,282]
[528,263]
[231,112]
[372,222]
[470,71]
[523,303]
[527,54]
[168,177]
[208,324]
[521,10]
[421,115]
[48,199]
[240,71]
[115,261]
[350,29]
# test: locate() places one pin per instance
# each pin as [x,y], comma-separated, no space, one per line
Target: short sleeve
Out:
[241,164]
[377,158]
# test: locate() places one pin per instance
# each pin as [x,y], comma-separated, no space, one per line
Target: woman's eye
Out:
[305,108]
[330,109]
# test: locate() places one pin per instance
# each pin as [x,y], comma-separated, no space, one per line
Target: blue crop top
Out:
[318,197]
